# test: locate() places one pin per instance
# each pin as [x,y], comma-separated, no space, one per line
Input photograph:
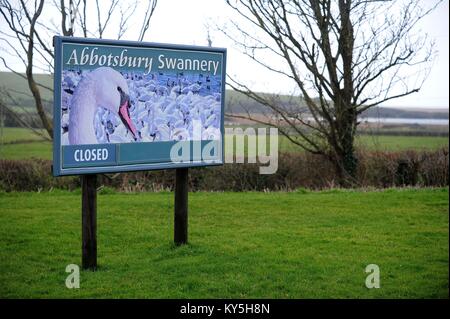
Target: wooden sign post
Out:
[89,221]
[89,215]
[181,207]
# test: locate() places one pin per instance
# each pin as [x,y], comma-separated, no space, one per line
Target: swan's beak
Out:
[124,114]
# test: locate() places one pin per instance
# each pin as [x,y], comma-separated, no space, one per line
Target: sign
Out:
[127,106]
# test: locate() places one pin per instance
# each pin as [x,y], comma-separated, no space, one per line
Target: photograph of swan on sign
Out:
[124,106]
[107,106]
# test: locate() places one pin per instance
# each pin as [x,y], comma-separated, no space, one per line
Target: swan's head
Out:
[112,94]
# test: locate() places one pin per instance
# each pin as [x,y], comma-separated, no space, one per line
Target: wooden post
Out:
[89,221]
[181,206]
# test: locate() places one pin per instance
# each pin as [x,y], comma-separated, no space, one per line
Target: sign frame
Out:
[57,167]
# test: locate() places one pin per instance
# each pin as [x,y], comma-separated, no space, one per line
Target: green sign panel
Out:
[124,106]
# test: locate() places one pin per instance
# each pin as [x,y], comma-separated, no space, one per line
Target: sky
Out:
[184,22]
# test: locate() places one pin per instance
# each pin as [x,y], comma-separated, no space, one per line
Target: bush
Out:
[32,175]
[406,168]
[298,170]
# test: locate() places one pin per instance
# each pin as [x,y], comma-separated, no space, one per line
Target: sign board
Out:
[127,106]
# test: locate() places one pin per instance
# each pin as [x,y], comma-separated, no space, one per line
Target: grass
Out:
[397,143]
[43,149]
[22,143]
[18,134]
[242,245]
[26,150]
[385,143]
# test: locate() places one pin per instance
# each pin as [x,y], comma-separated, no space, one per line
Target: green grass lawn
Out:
[242,245]
[43,149]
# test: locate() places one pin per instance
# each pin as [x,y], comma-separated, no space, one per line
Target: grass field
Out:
[242,245]
[17,134]
[43,149]
[26,150]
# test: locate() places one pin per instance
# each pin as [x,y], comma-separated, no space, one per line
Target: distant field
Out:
[43,149]
[396,143]
[385,142]
[22,143]
[242,245]
[26,150]
[17,134]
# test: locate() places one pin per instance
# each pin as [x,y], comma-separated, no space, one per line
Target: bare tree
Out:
[209,39]
[23,25]
[24,119]
[29,39]
[343,56]
[151,6]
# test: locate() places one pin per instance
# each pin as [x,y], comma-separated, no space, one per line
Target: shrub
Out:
[295,170]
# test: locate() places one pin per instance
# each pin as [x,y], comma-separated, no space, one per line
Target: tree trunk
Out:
[38,102]
[345,159]
[29,71]
[345,165]
[349,159]
[349,163]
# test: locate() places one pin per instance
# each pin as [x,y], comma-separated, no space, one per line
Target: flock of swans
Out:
[105,106]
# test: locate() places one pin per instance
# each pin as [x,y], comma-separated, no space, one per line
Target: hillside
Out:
[234,103]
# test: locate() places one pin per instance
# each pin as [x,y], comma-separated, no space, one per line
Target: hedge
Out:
[299,170]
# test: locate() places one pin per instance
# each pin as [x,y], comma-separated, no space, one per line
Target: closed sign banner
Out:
[124,106]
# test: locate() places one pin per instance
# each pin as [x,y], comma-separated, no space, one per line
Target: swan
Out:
[102,87]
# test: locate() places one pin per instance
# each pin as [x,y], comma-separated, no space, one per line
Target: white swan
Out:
[103,87]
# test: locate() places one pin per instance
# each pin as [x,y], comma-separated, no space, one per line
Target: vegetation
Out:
[21,143]
[26,150]
[307,245]
[12,135]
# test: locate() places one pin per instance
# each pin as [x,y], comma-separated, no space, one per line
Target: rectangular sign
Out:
[126,106]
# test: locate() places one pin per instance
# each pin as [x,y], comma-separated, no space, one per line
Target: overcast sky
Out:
[183,22]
